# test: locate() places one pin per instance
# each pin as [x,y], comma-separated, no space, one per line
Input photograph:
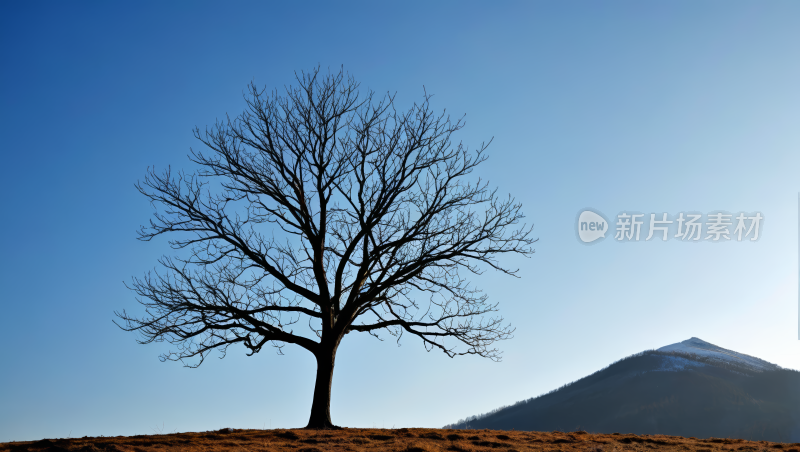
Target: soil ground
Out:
[403,439]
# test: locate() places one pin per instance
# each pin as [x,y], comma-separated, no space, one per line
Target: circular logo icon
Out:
[591,226]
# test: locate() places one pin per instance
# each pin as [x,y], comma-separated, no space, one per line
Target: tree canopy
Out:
[325,209]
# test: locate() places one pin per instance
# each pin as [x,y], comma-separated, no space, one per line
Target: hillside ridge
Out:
[691,389]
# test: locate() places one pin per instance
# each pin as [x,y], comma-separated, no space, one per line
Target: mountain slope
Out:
[718,355]
[691,389]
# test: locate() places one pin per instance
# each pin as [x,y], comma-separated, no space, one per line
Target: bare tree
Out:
[336,211]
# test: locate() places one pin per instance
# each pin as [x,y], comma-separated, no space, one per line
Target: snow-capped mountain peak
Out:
[713,353]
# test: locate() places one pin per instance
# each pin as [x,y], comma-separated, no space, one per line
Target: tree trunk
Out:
[321,406]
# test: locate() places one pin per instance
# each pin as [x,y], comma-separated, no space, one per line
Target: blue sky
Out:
[618,106]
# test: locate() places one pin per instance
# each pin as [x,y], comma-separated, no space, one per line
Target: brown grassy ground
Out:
[408,440]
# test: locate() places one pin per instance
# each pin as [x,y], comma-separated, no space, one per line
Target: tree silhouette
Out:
[338,211]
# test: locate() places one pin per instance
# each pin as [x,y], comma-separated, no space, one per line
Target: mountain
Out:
[691,389]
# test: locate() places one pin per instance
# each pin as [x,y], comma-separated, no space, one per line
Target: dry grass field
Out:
[403,439]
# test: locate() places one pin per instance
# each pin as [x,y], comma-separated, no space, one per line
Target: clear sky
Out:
[619,106]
